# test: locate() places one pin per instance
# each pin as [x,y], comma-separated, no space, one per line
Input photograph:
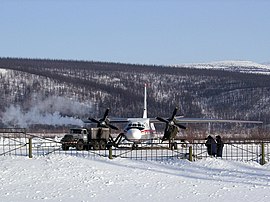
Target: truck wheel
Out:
[95,145]
[65,147]
[80,145]
[102,144]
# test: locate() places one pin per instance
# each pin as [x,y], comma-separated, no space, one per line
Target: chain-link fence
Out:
[17,142]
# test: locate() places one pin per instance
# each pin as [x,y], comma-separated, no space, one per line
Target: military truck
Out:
[83,138]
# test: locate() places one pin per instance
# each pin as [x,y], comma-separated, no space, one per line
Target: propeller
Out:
[104,121]
[171,120]
[171,128]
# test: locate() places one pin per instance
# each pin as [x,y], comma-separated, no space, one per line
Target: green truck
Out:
[86,139]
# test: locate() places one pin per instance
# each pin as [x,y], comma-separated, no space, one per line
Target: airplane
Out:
[136,130]
[142,129]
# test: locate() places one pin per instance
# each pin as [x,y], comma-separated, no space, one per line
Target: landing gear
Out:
[135,146]
[173,145]
[118,139]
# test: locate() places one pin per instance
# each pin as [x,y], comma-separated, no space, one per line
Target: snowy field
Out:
[70,178]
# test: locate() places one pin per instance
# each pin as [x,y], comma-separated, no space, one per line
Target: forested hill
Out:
[78,89]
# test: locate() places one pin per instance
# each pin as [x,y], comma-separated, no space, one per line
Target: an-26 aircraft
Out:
[142,129]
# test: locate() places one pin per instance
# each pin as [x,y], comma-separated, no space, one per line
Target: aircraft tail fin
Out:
[145,103]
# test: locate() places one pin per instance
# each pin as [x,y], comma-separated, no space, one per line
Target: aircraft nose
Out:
[133,134]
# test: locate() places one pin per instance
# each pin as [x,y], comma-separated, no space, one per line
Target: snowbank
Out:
[69,178]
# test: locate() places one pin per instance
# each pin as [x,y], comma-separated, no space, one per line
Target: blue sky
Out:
[136,31]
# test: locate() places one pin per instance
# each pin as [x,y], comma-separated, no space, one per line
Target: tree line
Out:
[197,92]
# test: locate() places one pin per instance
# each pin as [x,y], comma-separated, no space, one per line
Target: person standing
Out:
[211,146]
[220,146]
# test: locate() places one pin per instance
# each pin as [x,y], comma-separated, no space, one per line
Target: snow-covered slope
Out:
[85,89]
[237,66]
[69,178]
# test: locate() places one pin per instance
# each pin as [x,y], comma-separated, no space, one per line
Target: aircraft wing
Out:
[111,120]
[201,120]
[87,121]
[181,119]
[118,120]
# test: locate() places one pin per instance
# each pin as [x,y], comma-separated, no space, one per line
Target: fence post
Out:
[30,147]
[110,152]
[262,160]
[190,153]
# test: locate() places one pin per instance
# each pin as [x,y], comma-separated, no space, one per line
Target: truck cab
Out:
[79,133]
[75,136]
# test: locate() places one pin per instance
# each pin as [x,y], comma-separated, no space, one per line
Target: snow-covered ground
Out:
[70,178]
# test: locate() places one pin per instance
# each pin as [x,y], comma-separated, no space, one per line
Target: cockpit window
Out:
[138,125]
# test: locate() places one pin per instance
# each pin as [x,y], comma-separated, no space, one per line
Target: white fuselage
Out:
[139,129]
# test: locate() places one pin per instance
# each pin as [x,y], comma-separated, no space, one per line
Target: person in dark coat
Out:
[220,146]
[211,146]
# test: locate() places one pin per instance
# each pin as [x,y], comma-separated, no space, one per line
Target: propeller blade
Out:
[105,114]
[172,127]
[94,120]
[104,122]
[162,119]
[113,127]
[174,113]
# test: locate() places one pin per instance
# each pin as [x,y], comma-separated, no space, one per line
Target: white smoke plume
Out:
[50,111]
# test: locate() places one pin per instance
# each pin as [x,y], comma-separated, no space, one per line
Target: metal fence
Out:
[13,142]
[17,142]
